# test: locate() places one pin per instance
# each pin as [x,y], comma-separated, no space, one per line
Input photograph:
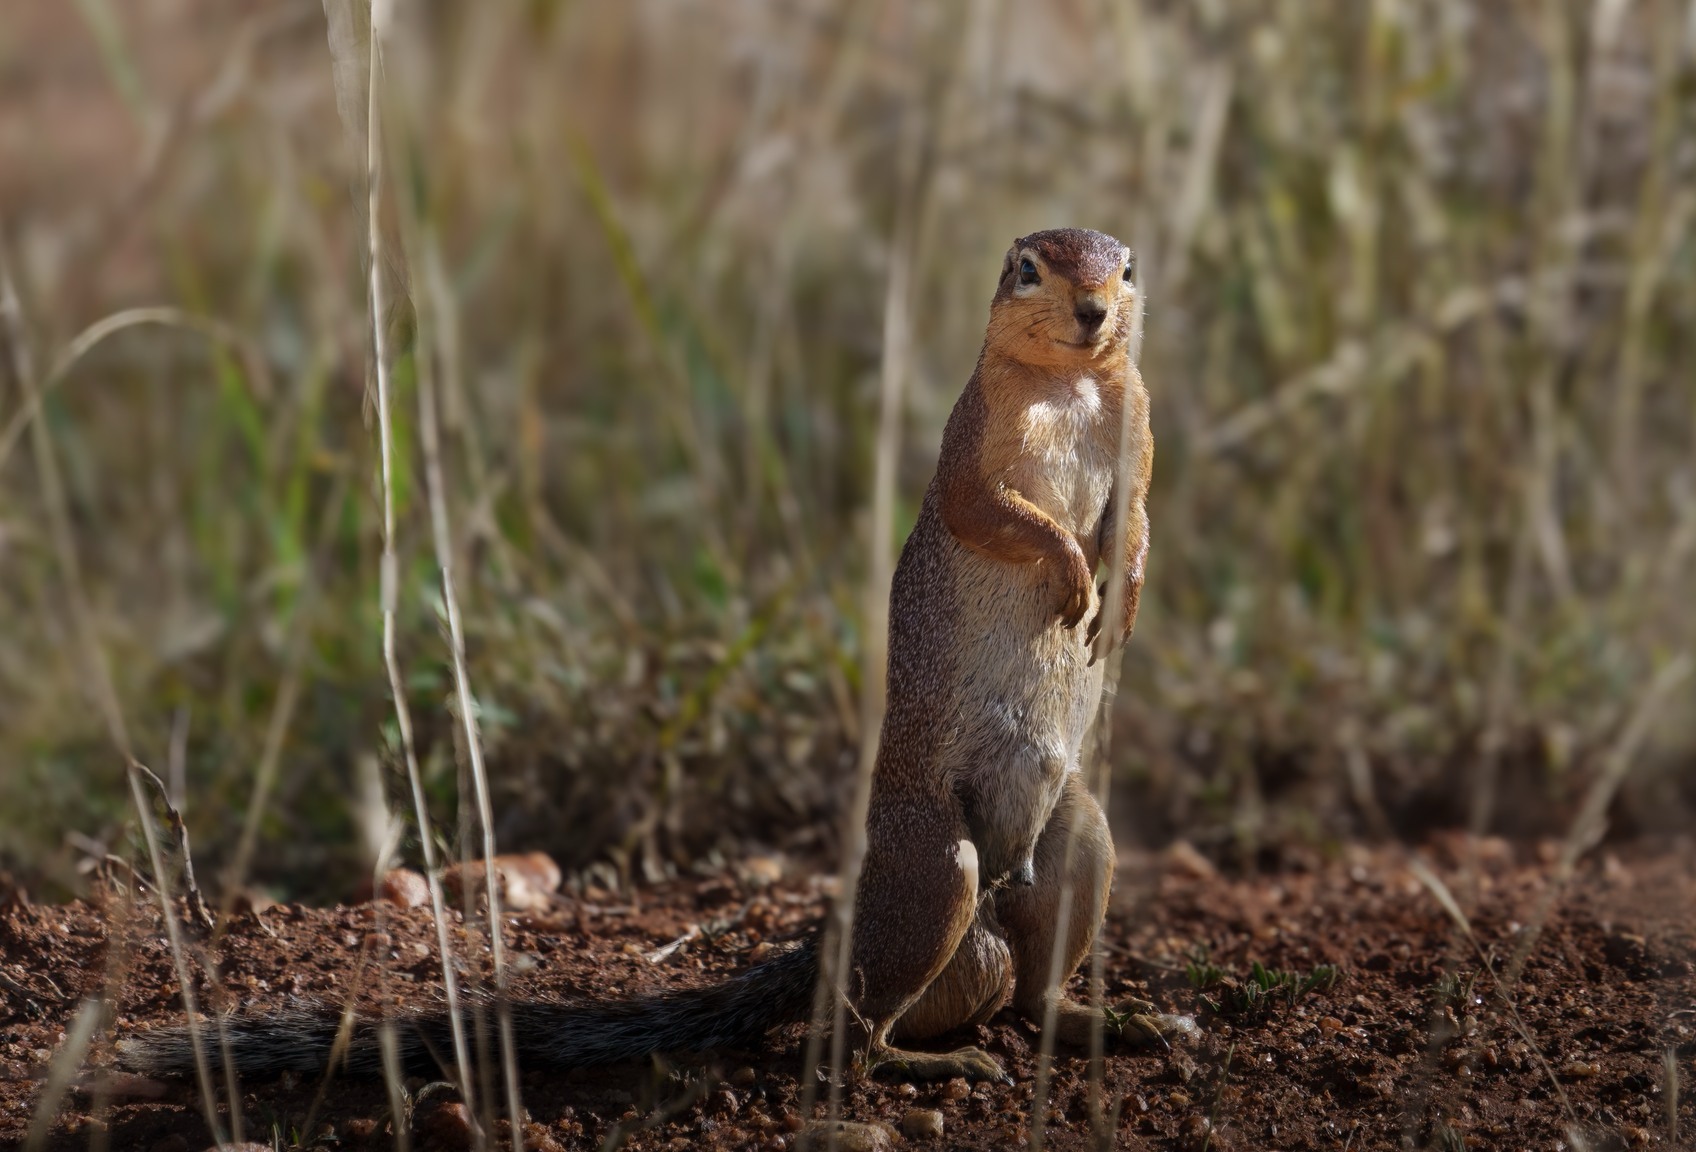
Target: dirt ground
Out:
[1413,1046]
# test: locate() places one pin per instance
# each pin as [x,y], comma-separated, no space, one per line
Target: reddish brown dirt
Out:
[1374,1062]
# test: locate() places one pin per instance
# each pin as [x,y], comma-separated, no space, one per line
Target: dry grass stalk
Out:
[106,697]
[89,338]
[897,335]
[66,1062]
[390,577]
[179,957]
[1669,1092]
[838,936]
[442,536]
[394,1082]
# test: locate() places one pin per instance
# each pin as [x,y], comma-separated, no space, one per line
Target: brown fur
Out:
[991,682]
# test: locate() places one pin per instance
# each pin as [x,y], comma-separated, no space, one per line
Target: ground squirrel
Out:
[991,682]
[976,790]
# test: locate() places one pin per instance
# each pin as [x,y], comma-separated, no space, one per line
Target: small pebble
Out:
[922,1123]
[849,1136]
[537,1138]
[761,871]
[405,888]
[360,1128]
[448,1127]
[1195,1134]
[956,1089]
[526,880]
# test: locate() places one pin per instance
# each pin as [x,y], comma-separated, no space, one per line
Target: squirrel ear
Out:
[1007,263]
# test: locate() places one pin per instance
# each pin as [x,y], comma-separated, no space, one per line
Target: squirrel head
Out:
[1064,300]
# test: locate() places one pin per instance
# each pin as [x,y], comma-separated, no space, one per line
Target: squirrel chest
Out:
[1061,450]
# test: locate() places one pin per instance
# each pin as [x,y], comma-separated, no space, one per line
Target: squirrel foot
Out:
[1133,1022]
[899,1064]
[1136,1022]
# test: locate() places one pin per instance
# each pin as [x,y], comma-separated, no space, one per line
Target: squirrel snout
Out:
[1024,873]
[1090,312]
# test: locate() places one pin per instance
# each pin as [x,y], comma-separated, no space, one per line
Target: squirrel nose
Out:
[1090,312]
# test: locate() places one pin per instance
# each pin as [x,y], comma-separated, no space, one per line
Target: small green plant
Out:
[1445,1138]
[1260,991]
[1202,973]
[1453,990]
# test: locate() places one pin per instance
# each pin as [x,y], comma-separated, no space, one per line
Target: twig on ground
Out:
[660,955]
[196,902]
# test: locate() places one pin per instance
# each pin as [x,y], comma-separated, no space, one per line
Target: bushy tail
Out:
[557,1034]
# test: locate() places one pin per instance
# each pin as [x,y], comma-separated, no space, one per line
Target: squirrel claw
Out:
[1073,611]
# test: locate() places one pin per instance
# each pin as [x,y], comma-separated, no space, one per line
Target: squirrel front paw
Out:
[1076,582]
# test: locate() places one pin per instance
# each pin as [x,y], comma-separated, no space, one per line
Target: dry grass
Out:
[1421,287]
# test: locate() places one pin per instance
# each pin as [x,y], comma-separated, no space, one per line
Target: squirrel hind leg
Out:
[1030,915]
[970,990]
[917,903]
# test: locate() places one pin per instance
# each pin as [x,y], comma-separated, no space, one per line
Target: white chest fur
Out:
[1068,454]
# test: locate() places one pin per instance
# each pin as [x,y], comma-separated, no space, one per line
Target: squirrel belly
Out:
[547,1033]
[1014,700]
[1015,687]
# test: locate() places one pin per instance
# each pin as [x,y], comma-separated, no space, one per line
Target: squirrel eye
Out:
[1027,272]
[1130,267]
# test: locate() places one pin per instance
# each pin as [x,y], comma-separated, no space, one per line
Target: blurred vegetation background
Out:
[1421,337]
